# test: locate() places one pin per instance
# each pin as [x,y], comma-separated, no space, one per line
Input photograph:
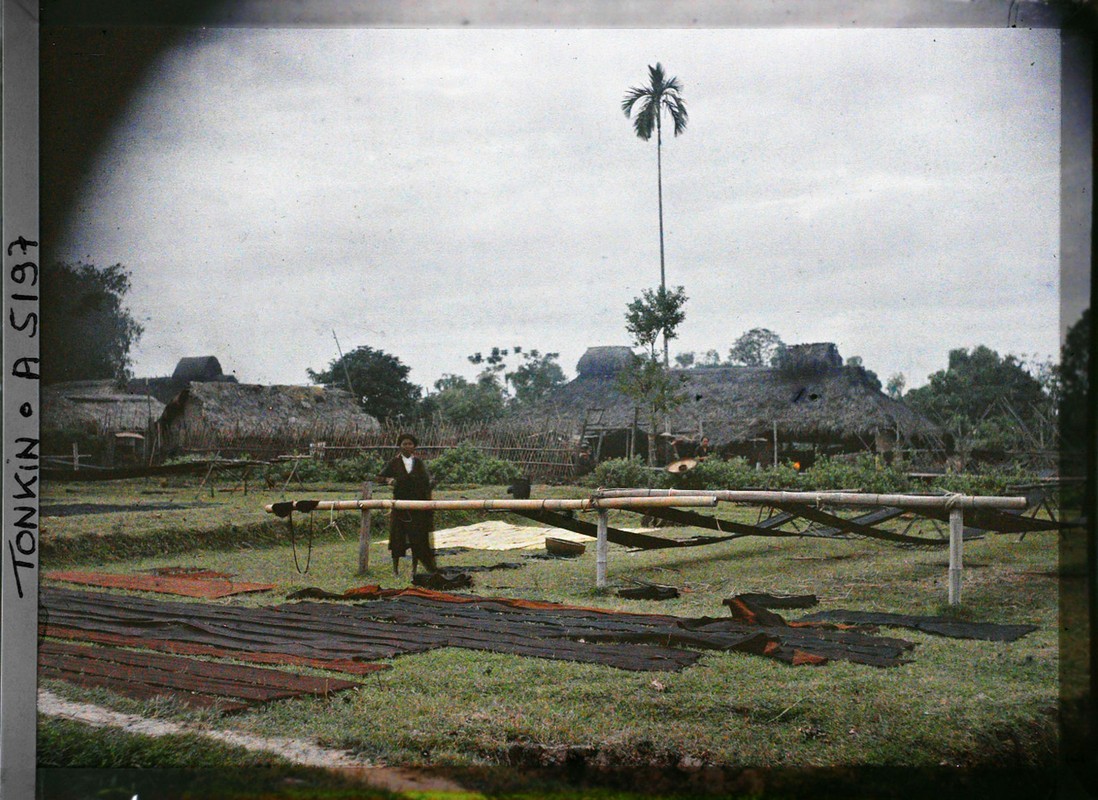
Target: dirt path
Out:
[297,751]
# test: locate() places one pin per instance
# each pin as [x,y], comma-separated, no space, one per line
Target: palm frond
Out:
[634,94]
[645,121]
[676,107]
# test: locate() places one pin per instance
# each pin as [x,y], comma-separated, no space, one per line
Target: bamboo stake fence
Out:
[543,452]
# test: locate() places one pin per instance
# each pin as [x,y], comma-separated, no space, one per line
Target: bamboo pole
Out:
[559,504]
[946,501]
[956,548]
[600,551]
[364,532]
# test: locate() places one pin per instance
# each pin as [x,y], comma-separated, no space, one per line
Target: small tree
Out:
[536,377]
[647,380]
[685,360]
[379,381]
[460,401]
[759,347]
[895,385]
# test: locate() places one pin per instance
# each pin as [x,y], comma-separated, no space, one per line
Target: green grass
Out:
[959,703]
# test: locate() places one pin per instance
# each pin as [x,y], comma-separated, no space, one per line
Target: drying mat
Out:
[199,684]
[941,626]
[499,535]
[184,585]
[347,665]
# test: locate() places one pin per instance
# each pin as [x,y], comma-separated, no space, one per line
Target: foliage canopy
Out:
[86,329]
[377,378]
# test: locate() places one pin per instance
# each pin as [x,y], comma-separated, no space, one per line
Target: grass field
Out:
[959,703]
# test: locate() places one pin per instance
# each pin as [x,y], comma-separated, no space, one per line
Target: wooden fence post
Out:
[956,548]
[364,532]
[600,550]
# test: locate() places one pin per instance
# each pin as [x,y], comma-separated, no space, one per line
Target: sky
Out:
[435,193]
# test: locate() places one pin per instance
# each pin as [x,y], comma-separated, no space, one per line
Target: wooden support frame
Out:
[601,548]
[956,553]
[364,531]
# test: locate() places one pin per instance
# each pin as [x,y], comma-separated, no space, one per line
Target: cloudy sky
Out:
[434,193]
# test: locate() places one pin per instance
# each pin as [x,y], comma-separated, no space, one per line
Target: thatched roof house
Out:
[102,407]
[229,416]
[812,399]
[100,417]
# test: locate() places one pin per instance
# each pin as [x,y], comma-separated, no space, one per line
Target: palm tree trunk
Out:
[659,187]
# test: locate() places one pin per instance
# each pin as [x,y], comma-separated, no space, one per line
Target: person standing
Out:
[407,474]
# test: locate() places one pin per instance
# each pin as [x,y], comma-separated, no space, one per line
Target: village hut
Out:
[811,404]
[99,420]
[263,421]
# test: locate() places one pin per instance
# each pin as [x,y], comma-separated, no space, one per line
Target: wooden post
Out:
[775,443]
[956,547]
[364,532]
[75,457]
[600,550]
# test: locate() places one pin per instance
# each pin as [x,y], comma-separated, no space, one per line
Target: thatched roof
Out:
[197,368]
[191,369]
[284,409]
[96,407]
[808,358]
[737,404]
[604,361]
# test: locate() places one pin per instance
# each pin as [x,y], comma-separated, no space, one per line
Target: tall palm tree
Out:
[661,94]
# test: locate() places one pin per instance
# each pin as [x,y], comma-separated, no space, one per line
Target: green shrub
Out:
[863,474]
[359,468]
[713,473]
[992,482]
[626,473]
[467,463]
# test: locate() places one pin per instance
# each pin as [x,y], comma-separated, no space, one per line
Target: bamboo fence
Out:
[543,452]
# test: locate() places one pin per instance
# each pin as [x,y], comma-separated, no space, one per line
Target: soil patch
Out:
[81,509]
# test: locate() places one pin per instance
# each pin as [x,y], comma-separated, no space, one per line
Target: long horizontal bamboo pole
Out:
[557,504]
[949,501]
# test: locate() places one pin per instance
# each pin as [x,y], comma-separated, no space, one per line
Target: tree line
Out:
[983,399]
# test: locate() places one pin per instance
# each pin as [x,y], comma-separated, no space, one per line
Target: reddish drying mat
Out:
[185,586]
[346,665]
[187,572]
[201,684]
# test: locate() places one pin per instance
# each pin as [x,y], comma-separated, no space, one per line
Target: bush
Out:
[626,473]
[863,474]
[713,473]
[357,469]
[467,463]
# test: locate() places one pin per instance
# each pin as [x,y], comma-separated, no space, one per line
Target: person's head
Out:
[407,444]
[705,441]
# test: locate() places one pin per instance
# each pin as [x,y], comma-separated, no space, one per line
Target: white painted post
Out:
[600,550]
[956,547]
[364,532]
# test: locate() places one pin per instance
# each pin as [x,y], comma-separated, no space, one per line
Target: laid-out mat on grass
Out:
[395,622]
[183,584]
[199,684]
[383,623]
[499,535]
[942,626]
